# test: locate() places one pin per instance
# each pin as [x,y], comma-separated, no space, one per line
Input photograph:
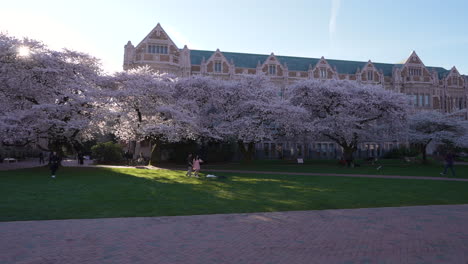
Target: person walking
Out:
[196,165]
[448,164]
[189,165]
[54,163]
[41,158]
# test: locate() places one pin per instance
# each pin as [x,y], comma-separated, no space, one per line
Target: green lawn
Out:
[389,167]
[30,194]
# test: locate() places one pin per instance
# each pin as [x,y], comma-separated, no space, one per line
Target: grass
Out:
[389,167]
[30,194]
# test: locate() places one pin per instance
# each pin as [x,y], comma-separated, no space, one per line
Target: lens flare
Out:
[24,51]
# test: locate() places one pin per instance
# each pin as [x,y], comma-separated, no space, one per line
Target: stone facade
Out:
[430,87]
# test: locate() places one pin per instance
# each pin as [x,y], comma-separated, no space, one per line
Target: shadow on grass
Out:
[30,194]
[381,167]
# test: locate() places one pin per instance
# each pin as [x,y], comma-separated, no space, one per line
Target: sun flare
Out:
[24,51]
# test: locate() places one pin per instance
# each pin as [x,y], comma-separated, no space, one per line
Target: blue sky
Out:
[383,31]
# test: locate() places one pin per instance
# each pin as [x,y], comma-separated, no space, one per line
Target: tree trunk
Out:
[348,155]
[248,152]
[423,152]
[155,153]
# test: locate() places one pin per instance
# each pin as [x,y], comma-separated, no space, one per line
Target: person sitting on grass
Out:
[196,165]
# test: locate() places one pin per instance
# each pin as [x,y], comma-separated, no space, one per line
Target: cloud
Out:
[334,14]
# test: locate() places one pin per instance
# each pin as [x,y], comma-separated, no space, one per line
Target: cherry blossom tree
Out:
[348,113]
[205,99]
[46,96]
[252,111]
[433,126]
[142,106]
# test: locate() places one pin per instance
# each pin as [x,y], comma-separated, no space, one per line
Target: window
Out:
[415,99]
[415,71]
[157,49]
[217,66]
[426,99]
[421,100]
[455,81]
[370,75]
[323,73]
[272,69]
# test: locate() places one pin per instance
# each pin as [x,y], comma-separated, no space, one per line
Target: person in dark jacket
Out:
[54,163]
[448,164]
[189,165]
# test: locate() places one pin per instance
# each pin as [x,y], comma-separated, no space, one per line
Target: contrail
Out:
[334,13]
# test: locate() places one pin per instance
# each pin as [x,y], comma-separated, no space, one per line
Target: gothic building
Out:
[430,87]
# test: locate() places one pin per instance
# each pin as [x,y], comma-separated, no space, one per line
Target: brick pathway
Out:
[419,234]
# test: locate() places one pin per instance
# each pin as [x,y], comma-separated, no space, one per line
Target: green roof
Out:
[246,60]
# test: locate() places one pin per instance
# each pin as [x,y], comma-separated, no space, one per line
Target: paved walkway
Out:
[419,234]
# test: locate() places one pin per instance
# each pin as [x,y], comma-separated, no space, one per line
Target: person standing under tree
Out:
[196,165]
[54,163]
[189,165]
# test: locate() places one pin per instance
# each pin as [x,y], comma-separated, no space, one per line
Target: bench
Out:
[9,160]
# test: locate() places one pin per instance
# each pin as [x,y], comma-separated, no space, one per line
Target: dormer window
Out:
[415,71]
[157,49]
[272,69]
[370,75]
[323,73]
[455,81]
[217,66]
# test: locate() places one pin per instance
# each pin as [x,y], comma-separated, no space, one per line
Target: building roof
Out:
[246,60]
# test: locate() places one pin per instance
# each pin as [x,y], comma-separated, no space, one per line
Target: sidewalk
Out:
[28,163]
[401,235]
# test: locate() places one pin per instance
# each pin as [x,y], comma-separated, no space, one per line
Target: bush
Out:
[402,151]
[107,153]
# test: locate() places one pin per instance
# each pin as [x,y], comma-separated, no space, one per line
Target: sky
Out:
[382,31]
